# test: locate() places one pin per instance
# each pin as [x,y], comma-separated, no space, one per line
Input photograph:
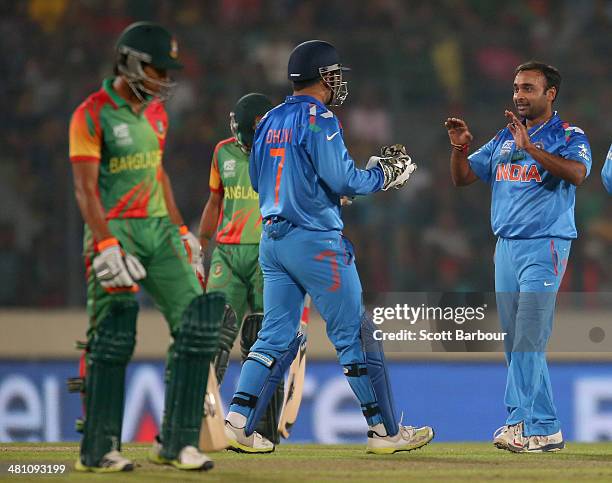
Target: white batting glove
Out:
[194,253]
[114,268]
[192,245]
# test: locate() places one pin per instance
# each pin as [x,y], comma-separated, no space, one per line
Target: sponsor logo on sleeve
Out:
[584,152]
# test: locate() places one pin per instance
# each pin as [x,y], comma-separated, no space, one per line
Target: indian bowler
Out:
[533,166]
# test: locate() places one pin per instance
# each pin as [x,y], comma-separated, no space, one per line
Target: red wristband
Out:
[464,148]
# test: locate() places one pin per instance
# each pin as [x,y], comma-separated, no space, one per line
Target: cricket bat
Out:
[295,381]
[212,432]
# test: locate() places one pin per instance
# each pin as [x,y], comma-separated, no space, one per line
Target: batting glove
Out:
[114,268]
[191,243]
[194,252]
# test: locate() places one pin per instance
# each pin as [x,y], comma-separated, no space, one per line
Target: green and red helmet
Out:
[146,43]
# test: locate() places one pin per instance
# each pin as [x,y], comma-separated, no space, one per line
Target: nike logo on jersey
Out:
[518,173]
[548,284]
[329,138]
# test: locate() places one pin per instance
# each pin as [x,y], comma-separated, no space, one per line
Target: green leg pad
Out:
[268,425]
[111,345]
[227,337]
[195,345]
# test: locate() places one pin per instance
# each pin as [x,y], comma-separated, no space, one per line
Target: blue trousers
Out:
[528,274]
[295,261]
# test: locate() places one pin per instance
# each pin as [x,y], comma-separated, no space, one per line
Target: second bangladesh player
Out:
[232,212]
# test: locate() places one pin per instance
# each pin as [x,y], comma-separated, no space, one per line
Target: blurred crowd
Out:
[413,64]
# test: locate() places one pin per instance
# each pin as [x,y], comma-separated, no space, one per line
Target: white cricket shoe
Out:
[190,458]
[504,435]
[112,462]
[406,439]
[537,444]
[241,443]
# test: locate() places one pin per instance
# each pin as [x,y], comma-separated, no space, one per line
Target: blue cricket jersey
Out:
[527,201]
[300,166]
[606,172]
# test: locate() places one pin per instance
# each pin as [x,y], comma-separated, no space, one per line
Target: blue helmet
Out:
[316,59]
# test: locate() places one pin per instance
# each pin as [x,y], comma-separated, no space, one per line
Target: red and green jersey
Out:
[128,148]
[239,220]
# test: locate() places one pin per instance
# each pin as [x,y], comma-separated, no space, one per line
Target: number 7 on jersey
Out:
[278,153]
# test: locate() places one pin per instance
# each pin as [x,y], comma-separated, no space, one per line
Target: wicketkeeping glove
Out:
[396,165]
[115,268]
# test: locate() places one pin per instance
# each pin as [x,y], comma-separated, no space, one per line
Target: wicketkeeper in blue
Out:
[606,172]
[533,166]
[301,169]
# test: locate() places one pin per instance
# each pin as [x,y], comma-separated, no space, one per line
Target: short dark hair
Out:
[552,75]
[299,85]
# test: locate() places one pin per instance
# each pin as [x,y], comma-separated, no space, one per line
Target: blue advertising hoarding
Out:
[462,401]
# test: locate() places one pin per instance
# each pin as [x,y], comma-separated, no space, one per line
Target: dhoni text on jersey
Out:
[278,136]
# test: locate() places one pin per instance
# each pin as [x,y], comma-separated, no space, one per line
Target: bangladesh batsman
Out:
[232,212]
[135,236]
[533,167]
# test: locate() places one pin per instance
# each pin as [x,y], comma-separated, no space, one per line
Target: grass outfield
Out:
[436,462]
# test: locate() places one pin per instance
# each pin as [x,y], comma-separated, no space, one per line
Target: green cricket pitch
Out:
[436,462]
